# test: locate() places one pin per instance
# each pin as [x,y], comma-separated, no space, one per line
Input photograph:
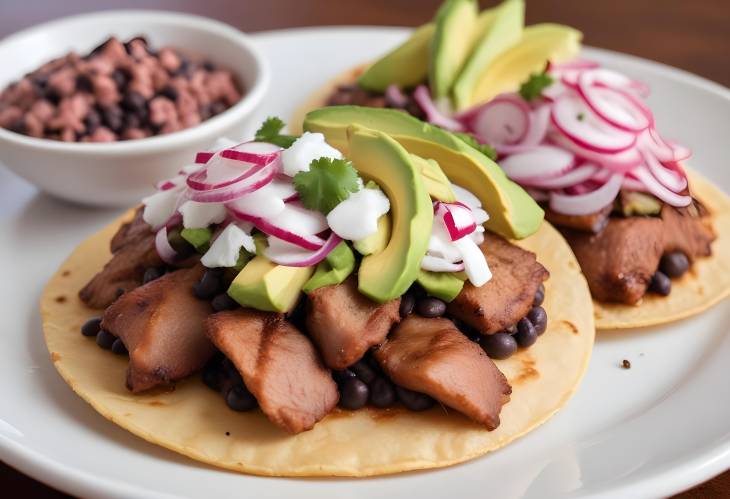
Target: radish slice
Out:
[539,124]
[226,248]
[541,161]
[579,124]
[574,176]
[669,178]
[289,255]
[618,162]
[617,108]
[457,219]
[396,96]
[436,264]
[590,202]
[632,184]
[504,120]
[203,157]
[655,187]
[166,252]
[475,263]
[440,244]
[465,196]
[433,114]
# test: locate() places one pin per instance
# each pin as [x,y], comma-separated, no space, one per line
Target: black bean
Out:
[240,399]
[209,285]
[660,283]
[231,376]
[354,393]
[382,393]
[223,302]
[414,401]
[105,339]
[119,293]
[18,126]
[498,345]
[170,92]
[92,120]
[84,84]
[119,348]
[181,246]
[52,95]
[674,264]
[120,78]
[539,296]
[134,101]
[526,334]
[539,319]
[213,375]
[91,327]
[209,66]
[151,274]
[341,375]
[131,121]
[113,118]
[363,371]
[407,302]
[430,307]
[40,80]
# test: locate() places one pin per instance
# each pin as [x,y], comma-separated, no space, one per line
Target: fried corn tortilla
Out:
[193,420]
[706,283]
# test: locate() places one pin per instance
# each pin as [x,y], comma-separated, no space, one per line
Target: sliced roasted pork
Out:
[595,222]
[619,261]
[279,366]
[508,296]
[344,323]
[133,251]
[432,356]
[161,324]
[688,230]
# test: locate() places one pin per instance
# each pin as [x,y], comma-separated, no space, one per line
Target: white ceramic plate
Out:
[653,430]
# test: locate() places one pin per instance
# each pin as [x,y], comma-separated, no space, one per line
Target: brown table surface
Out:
[692,35]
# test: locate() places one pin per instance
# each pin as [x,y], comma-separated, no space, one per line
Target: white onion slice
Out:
[621,110]
[466,196]
[433,114]
[226,248]
[540,161]
[437,264]
[655,187]
[200,215]
[165,251]
[591,202]
[475,263]
[290,255]
[572,177]
[266,202]
[670,179]
[619,162]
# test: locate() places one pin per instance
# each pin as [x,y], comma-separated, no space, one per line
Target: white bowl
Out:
[120,173]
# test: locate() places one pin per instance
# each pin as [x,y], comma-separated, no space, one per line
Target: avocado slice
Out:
[437,184]
[333,270]
[376,156]
[637,203]
[198,238]
[452,42]
[264,285]
[513,213]
[497,30]
[405,66]
[443,285]
[540,44]
[377,241]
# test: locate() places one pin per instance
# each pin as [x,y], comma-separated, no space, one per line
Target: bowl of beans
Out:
[97,108]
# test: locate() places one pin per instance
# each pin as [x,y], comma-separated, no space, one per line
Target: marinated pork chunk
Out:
[161,324]
[279,366]
[344,323]
[594,222]
[619,261]
[508,296]
[133,251]
[432,356]
[688,230]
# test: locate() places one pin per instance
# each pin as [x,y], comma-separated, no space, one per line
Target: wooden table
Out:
[694,36]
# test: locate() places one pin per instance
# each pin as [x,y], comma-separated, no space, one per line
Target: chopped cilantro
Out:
[534,86]
[581,116]
[485,149]
[327,183]
[270,131]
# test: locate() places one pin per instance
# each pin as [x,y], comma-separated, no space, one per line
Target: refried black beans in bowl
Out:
[97,108]
[118,91]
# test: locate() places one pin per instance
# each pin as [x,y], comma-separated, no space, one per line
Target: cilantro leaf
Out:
[270,131]
[485,149]
[327,183]
[534,86]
